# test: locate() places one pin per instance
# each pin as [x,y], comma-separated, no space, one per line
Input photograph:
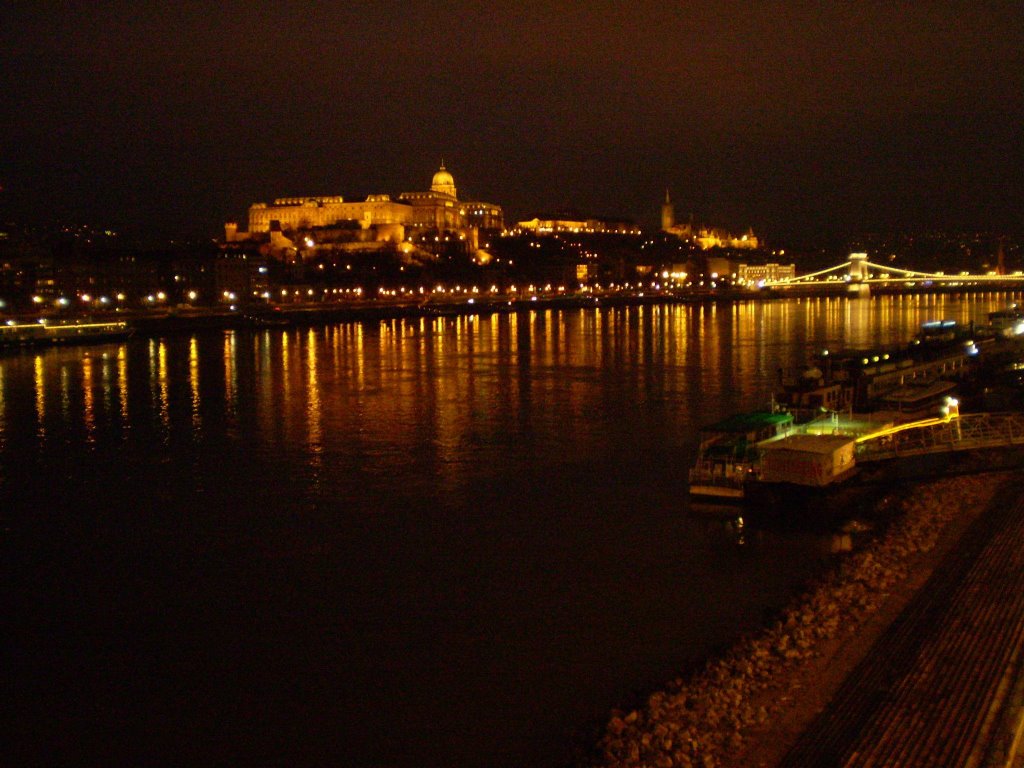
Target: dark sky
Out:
[797,118]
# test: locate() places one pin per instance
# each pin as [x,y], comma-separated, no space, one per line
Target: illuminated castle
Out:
[374,219]
[704,237]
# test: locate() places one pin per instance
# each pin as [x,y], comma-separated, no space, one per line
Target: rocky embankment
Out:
[706,720]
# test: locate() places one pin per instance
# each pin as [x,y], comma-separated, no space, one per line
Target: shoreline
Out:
[190,319]
[748,705]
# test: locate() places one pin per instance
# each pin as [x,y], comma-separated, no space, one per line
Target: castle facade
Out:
[376,218]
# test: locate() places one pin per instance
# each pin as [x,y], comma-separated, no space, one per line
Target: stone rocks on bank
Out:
[704,721]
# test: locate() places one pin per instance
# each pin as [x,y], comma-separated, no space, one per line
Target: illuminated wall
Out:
[436,208]
[306,213]
[547,226]
[754,273]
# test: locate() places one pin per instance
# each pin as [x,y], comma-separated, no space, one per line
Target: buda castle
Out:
[370,222]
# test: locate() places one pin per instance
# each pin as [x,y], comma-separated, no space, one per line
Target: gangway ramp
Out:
[965,432]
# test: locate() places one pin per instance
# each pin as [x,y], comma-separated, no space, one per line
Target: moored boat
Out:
[1007,323]
[729,452]
[75,332]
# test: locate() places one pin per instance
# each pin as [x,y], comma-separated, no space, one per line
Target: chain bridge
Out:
[859,274]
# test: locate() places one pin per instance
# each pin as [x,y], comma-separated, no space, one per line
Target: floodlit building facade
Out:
[377,218]
[704,237]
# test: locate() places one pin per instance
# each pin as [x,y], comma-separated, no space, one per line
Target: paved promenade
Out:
[941,687]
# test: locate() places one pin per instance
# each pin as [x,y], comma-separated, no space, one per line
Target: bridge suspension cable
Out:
[810,275]
[907,272]
[856,274]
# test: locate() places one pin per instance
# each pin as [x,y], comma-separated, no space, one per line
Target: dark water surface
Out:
[410,543]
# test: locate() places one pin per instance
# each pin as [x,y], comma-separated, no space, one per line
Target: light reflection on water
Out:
[448,374]
[456,536]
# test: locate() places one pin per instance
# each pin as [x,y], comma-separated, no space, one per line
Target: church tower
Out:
[668,214]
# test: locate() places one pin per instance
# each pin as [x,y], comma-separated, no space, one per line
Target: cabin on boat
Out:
[1007,323]
[729,450]
[813,460]
[735,436]
[918,400]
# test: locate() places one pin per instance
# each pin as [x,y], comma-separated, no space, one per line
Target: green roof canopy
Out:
[741,423]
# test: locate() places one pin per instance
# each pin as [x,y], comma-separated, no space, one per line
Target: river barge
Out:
[729,452]
[808,437]
[48,334]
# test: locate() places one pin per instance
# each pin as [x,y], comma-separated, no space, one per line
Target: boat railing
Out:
[724,474]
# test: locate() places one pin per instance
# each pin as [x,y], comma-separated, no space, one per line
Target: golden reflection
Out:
[40,387]
[858,323]
[360,372]
[106,378]
[164,384]
[286,383]
[313,404]
[679,338]
[747,337]
[439,339]
[230,375]
[711,349]
[495,326]
[448,396]
[88,416]
[590,322]
[335,342]
[193,380]
[65,392]
[513,334]
[122,381]
[267,414]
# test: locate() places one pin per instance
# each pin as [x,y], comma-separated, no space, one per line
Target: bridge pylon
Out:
[858,284]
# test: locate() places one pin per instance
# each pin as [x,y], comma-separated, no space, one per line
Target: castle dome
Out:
[443,182]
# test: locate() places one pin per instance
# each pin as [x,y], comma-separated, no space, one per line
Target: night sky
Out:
[797,118]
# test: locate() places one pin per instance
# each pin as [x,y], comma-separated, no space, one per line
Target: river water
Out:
[440,542]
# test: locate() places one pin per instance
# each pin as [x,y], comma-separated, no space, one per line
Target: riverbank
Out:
[748,706]
[157,321]
[188,319]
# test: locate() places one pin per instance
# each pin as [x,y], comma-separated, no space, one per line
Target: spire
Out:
[668,214]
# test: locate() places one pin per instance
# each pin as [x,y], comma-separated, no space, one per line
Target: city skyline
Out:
[798,121]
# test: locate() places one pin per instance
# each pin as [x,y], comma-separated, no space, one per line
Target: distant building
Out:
[373,219]
[704,237]
[726,268]
[574,224]
[752,274]
[668,214]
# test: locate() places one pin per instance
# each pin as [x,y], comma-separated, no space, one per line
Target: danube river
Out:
[444,542]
